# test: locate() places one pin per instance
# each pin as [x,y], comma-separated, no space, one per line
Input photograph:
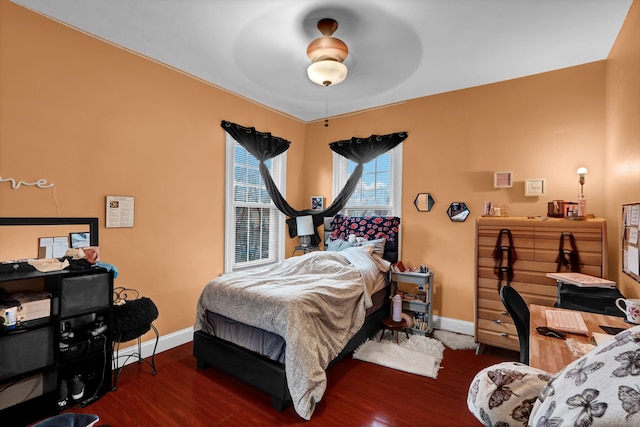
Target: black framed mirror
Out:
[19,235]
[423,202]
[458,212]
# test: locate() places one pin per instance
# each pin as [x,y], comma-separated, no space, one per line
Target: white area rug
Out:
[455,341]
[418,354]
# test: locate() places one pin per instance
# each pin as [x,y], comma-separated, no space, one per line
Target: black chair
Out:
[133,317]
[519,311]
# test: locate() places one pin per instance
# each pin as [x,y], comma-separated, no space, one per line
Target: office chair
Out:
[132,318]
[519,311]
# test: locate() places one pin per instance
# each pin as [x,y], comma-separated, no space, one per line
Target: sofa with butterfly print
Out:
[601,388]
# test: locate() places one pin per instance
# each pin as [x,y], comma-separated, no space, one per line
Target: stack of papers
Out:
[582,280]
[600,339]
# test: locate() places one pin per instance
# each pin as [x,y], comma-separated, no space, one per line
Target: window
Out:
[253,225]
[379,191]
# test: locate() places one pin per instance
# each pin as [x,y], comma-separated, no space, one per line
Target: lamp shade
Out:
[327,72]
[304,224]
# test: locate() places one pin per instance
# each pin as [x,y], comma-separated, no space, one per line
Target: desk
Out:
[552,354]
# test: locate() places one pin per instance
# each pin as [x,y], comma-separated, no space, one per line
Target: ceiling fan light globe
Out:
[327,72]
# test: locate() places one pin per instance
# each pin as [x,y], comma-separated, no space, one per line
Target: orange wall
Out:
[623,134]
[544,126]
[97,120]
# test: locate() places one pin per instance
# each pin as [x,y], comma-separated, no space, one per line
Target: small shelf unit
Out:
[424,283]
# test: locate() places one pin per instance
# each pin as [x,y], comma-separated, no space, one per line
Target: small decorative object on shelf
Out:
[490,209]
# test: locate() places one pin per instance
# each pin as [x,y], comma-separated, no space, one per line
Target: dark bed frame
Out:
[268,375]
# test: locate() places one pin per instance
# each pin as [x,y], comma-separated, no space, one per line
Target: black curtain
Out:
[264,146]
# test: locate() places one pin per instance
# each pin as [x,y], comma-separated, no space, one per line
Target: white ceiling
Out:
[399,49]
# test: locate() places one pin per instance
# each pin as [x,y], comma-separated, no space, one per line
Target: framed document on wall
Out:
[534,187]
[120,211]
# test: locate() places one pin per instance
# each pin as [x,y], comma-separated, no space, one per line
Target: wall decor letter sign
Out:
[41,183]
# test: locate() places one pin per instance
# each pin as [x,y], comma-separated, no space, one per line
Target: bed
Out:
[343,291]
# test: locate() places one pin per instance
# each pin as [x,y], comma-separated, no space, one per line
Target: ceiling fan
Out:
[327,54]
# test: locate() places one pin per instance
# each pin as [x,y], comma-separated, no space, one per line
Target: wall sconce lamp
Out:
[304,224]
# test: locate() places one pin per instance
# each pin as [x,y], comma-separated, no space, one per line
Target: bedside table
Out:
[424,281]
[305,249]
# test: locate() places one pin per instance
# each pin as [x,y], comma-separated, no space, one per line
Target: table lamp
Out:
[304,224]
[582,201]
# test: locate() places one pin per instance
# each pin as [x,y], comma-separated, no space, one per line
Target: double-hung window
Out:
[379,191]
[253,225]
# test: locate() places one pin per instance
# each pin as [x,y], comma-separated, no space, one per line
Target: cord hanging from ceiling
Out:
[326,111]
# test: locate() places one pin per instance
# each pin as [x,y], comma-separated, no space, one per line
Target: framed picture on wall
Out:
[317,203]
[534,187]
[502,180]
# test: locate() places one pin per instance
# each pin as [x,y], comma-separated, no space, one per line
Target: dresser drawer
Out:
[495,316]
[504,327]
[502,340]
[491,304]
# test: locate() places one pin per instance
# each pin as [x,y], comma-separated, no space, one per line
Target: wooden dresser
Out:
[536,243]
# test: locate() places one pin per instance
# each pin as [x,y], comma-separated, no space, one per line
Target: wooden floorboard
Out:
[358,394]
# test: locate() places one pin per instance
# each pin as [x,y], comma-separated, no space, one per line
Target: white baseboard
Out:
[453,325]
[166,342]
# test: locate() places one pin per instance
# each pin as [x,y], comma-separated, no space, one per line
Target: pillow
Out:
[368,248]
[504,394]
[378,245]
[382,264]
[337,245]
[602,388]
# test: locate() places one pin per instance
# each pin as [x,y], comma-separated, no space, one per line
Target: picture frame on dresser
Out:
[317,203]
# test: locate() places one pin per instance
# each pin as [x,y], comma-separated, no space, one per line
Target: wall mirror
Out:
[424,202]
[458,212]
[19,236]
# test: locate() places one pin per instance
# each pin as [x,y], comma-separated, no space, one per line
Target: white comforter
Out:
[316,302]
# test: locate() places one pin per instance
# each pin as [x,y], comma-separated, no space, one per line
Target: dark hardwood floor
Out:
[358,394]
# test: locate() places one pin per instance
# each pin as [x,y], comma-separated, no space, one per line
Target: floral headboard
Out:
[369,228]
